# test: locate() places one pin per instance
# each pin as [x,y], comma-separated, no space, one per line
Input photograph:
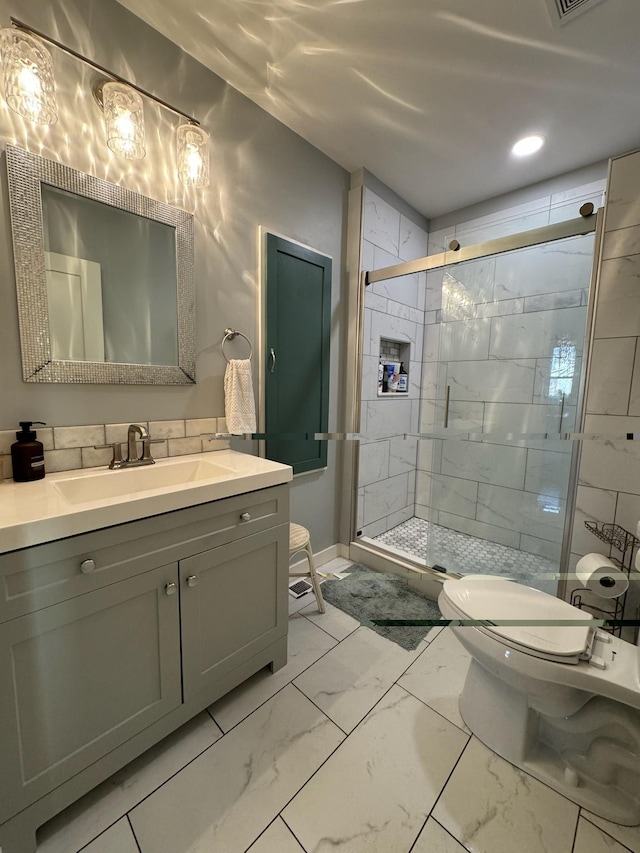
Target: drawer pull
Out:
[245,516]
[170,588]
[87,566]
[192,580]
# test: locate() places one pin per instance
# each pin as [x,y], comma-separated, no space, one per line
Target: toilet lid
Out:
[492,600]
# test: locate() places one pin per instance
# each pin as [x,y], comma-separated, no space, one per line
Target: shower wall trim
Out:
[353,377]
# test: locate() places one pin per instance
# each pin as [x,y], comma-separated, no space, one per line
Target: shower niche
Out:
[393,368]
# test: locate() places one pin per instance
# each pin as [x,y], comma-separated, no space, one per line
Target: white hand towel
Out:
[240,409]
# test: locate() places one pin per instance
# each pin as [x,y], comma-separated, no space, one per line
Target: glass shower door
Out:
[508,361]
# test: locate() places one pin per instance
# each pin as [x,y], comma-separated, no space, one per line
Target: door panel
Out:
[84,676]
[234,604]
[298,297]
[512,339]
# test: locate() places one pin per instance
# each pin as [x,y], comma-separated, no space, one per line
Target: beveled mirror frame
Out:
[26,173]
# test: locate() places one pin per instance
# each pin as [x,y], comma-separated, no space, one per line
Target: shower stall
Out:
[470,469]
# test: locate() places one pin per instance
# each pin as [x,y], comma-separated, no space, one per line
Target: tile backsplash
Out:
[69,447]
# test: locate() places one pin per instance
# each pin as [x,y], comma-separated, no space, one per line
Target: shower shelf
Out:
[625,543]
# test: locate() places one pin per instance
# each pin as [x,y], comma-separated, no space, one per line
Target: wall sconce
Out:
[123,118]
[30,91]
[29,84]
[193,155]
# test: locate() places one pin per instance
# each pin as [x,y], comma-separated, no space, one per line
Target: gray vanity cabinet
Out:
[112,639]
[82,677]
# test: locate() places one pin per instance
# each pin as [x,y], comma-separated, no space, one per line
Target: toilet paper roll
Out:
[602,576]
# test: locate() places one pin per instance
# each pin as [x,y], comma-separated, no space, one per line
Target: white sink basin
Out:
[127,481]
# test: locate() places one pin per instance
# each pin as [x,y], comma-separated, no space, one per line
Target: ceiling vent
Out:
[564,11]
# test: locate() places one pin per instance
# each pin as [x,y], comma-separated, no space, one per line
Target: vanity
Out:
[129,602]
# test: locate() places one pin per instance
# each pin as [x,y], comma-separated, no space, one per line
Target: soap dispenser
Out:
[27,454]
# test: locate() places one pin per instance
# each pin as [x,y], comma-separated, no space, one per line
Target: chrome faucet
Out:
[134,433]
[145,458]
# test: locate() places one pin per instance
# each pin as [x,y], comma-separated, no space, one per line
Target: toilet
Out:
[551,692]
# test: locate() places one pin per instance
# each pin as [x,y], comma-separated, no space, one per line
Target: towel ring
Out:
[229,335]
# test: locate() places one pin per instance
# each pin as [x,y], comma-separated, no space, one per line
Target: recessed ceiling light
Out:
[528,145]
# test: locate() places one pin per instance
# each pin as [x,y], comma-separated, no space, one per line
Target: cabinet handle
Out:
[170,588]
[245,517]
[87,566]
[272,353]
[192,580]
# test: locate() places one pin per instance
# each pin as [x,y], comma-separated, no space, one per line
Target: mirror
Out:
[104,278]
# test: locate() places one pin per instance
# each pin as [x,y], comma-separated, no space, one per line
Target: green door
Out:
[298,313]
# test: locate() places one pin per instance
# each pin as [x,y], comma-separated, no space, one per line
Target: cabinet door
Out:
[82,677]
[298,338]
[234,604]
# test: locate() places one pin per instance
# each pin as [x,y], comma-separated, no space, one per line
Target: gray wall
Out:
[262,174]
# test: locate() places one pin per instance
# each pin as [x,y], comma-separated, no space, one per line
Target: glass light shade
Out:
[29,84]
[123,120]
[193,155]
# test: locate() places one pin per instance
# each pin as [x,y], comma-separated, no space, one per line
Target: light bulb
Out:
[29,83]
[193,155]
[528,145]
[124,120]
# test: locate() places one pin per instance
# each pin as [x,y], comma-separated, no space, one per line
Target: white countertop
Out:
[36,512]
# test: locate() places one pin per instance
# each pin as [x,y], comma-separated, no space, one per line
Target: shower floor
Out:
[466,555]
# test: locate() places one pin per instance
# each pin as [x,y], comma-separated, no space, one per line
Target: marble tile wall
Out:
[394,310]
[609,472]
[70,447]
[504,316]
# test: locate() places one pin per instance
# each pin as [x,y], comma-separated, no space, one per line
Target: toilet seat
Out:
[490,602]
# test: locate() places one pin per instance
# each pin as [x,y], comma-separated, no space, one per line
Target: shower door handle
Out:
[272,354]
[561,414]
[446,406]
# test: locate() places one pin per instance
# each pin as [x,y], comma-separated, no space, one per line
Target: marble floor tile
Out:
[298,604]
[284,779]
[93,813]
[492,807]
[629,836]
[590,839]
[225,798]
[438,676]
[117,839]
[375,792]
[276,838]
[338,564]
[333,620]
[348,681]
[435,839]
[307,643]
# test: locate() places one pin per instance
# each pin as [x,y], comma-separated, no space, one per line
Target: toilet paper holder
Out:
[626,543]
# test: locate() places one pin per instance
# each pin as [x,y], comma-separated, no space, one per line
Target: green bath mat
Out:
[373,598]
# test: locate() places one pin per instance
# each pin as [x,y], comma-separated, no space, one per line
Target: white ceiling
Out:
[428,95]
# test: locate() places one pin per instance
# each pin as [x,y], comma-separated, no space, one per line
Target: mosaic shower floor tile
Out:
[467,555]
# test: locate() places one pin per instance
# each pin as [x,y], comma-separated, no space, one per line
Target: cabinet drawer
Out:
[48,574]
